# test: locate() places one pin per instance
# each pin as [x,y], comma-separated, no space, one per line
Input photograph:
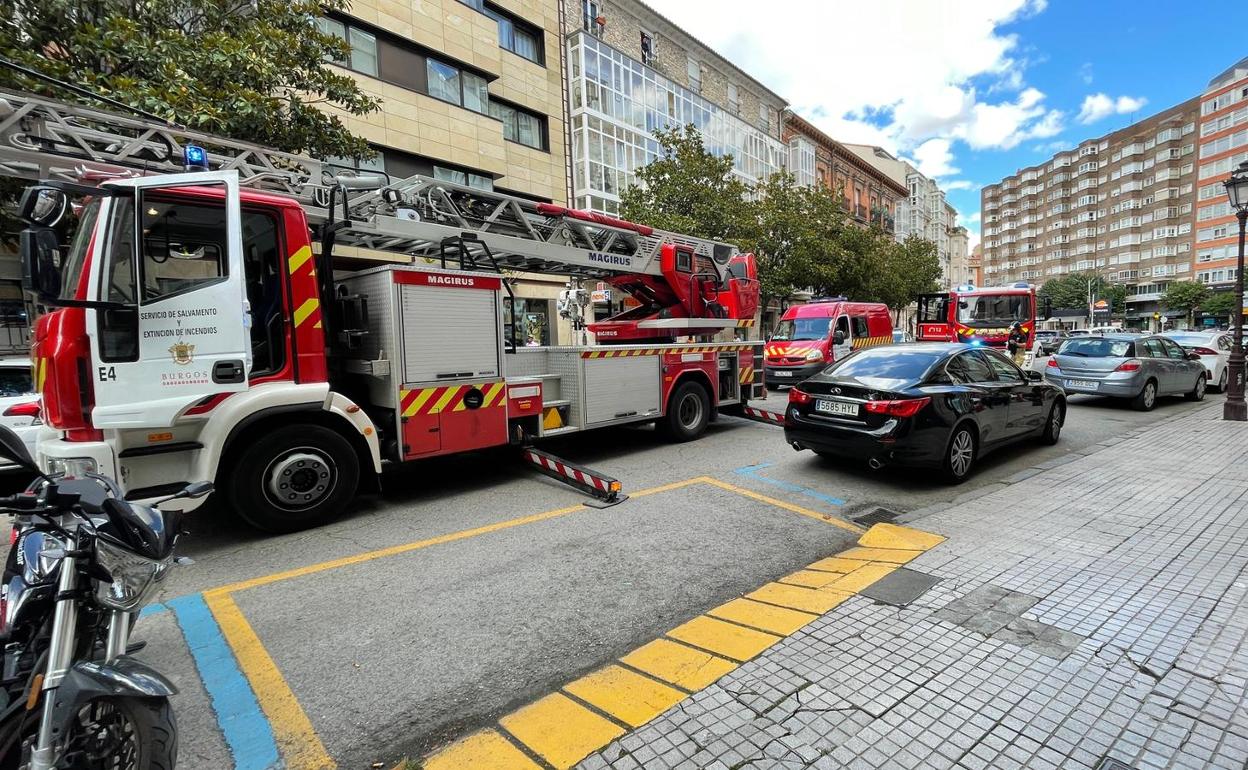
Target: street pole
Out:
[1235,408]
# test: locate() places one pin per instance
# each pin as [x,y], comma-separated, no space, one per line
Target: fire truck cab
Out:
[978,316]
[813,335]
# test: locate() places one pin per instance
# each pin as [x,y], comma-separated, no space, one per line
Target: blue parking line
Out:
[152,609]
[246,730]
[752,471]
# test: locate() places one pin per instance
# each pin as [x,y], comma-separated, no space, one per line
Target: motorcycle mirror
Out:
[13,448]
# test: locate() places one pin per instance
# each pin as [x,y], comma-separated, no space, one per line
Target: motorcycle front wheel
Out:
[122,734]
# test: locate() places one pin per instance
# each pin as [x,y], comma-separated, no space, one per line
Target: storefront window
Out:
[529,321]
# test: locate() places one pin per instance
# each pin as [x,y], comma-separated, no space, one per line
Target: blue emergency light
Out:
[194,158]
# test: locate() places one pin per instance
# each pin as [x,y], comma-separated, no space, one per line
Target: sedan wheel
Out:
[1198,392]
[1222,381]
[1147,398]
[1053,427]
[961,455]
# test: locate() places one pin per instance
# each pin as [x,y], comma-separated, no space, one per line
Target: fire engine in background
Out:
[196,327]
[813,335]
[980,316]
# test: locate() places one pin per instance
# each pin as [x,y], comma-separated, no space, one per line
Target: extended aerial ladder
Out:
[684,286]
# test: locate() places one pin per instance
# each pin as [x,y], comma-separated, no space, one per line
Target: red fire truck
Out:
[979,316]
[209,325]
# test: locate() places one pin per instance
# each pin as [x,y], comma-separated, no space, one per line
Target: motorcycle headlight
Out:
[134,576]
[75,467]
[815,355]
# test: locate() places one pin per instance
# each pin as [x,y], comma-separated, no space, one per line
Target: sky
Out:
[970,91]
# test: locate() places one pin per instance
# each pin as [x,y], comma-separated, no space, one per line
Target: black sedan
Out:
[928,405]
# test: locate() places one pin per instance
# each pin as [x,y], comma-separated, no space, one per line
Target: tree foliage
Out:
[254,70]
[1220,304]
[801,236]
[1185,296]
[1071,291]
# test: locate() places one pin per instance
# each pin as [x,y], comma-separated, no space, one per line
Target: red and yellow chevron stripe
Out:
[747,374]
[745,323]
[870,342]
[450,398]
[661,351]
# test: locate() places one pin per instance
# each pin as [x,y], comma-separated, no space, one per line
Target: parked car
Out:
[1103,330]
[940,405]
[1049,339]
[1124,366]
[1214,349]
[812,335]
[19,403]
[901,335]
[1078,333]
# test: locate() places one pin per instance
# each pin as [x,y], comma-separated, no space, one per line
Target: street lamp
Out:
[1237,194]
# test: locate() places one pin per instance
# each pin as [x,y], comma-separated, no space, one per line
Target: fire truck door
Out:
[842,342]
[180,329]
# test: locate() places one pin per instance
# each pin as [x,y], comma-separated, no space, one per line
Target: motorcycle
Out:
[83,562]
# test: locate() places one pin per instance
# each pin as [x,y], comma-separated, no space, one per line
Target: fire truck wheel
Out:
[293,478]
[688,409]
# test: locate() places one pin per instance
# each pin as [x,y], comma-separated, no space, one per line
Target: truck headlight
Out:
[134,576]
[815,355]
[75,467]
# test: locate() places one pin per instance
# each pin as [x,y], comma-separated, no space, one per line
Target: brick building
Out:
[1223,146]
[868,194]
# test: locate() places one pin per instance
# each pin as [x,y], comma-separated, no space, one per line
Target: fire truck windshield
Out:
[994,308]
[802,329]
[75,258]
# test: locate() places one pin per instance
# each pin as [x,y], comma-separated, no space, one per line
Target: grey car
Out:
[1127,366]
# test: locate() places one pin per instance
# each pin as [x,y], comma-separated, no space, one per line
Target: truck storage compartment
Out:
[619,388]
[448,333]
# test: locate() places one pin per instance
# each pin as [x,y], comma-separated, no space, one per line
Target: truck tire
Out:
[688,411]
[293,478]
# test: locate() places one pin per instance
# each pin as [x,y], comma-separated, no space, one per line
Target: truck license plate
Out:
[836,407]
[1085,384]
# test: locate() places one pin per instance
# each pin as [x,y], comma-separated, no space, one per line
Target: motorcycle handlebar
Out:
[19,502]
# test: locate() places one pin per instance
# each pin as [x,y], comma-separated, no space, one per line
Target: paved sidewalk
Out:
[1095,609]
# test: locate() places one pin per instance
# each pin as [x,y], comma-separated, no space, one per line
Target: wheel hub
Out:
[299,479]
[690,411]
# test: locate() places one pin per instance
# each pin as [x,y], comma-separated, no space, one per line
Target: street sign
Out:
[1101,304]
[600,295]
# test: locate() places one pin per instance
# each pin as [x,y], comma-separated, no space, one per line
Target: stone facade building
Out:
[868,194]
[631,71]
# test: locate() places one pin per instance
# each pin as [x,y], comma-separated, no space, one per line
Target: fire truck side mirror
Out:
[40,253]
[43,206]
[838,338]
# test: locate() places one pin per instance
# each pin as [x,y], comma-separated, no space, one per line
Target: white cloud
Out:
[958,184]
[1100,106]
[1085,73]
[970,219]
[961,80]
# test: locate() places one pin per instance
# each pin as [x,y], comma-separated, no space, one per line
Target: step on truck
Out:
[222,323]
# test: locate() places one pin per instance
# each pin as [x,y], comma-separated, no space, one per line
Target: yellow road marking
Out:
[861,578]
[626,695]
[678,664]
[824,517]
[890,555]
[486,750]
[765,617]
[837,564]
[560,730]
[723,638]
[902,538]
[810,578]
[797,598]
[300,745]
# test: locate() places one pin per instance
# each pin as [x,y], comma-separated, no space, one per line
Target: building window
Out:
[468,179]
[519,125]
[734,99]
[363,57]
[591,12]
[444,82]
[764,117]
[476,95]
[649,52]
[516,36]
[695,75]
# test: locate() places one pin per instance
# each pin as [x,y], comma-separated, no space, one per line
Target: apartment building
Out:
[869,195]
[472,92]
[1223,146]
[959,253]
[631,71]
[923,212]
[1119,205]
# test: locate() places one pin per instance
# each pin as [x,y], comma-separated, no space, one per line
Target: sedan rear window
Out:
[886,367]
[1097,347]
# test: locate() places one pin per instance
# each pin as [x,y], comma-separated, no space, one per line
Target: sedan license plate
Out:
[1085,384]
[838,408]
[778,373]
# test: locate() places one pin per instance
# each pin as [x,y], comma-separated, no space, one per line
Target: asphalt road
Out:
[397,653]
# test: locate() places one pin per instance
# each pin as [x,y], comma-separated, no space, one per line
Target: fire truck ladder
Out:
[46,139]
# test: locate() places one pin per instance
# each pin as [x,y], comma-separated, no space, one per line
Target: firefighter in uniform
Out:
[1017,343]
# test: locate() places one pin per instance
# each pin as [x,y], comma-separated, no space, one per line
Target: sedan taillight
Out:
[798,397]
[1202,351]
[1130,365]
[903,407]
[1052,364]
[25,409]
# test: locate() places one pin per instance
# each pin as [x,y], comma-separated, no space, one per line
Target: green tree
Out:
[908,269]
[1221,304]
[1071,291]
[689,190]
[1186,296]
[255,70]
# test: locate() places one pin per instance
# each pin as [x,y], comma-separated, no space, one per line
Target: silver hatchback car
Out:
[1126,366]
